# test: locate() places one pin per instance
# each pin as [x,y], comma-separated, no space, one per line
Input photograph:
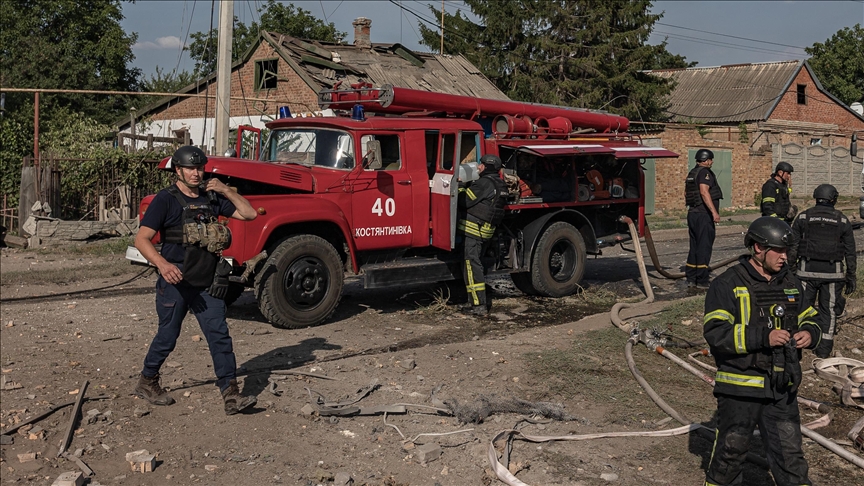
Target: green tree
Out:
[578,53]
[163,82]
[839,64]
[275,17]
[59,44]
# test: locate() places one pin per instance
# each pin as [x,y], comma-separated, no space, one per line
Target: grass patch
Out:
[859,292]
[671,319]
[594,368]
[65,276]
[106,247]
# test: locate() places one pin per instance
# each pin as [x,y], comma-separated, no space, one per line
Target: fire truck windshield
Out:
[311,146]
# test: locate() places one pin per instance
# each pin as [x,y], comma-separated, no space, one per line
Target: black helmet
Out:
[769,231]
[704,154]
[785,167]
[491,162]
[188,156]
[826,192]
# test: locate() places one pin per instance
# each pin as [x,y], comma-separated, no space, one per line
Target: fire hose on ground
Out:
[656,345]
[818,438]
[655,260]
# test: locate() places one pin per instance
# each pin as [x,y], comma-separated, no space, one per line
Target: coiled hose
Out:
[635,338]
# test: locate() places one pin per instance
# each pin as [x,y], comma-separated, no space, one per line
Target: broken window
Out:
[266,74]
[802,94]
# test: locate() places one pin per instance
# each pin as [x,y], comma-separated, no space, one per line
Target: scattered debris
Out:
[196,338]
[141,460]
[428,452]
[408,364]
[609,477]
[6,384]
[486,406]
[28,456]
[210,467]
[272,389]
[342,478]
[73,478]
[76,411]
[6,440]
[140,412]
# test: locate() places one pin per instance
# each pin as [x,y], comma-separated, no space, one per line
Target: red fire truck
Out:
[373,191]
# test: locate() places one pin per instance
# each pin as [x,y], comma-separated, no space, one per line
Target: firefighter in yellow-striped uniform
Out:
[483,204]
[756,325]
[776,192]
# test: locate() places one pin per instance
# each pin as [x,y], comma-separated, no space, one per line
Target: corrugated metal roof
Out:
[387,64]
[734,93]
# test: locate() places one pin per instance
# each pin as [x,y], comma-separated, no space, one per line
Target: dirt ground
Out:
[70,317]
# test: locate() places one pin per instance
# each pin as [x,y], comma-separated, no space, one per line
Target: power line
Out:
[701,40]
[730,36]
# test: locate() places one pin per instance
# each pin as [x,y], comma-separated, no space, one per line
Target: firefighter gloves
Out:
[219,288]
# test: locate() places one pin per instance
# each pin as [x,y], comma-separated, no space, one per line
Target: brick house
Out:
[752,116]
[280,70]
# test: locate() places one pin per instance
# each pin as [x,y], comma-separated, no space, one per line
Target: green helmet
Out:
[768,231]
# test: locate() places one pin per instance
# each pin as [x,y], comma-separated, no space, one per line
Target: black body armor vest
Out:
[824,233]
[201,236]
[492,210]
[692,197]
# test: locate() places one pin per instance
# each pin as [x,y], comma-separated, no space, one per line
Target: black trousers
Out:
[702,233]
[475,280]
[827,298]
[780,428]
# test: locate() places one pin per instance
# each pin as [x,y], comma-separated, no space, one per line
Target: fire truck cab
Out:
[373,191]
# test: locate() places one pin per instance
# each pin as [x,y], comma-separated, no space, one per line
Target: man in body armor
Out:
[776,192]
[756,323]
[702,195]
[821,240]
[191,273]
[483,203]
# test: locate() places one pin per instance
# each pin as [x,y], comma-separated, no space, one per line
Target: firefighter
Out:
[483,204]
[756,323]
[191,274]
[776,192]
[702,194]
[821,240]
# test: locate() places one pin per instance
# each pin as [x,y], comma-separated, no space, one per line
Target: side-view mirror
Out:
[372,159]
[853,146]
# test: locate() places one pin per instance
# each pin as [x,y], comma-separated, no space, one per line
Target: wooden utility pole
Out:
[442,27]
[223,75]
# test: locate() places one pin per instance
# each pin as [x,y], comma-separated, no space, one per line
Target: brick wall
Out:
[817,109]
[290,87]
[749,171]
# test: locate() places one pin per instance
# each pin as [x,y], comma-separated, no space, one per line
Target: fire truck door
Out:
[453,149]
[382,196]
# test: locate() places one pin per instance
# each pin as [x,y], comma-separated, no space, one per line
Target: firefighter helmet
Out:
[768,231]
[704,154]
[785,167]
[188,156]
[491,163]
[825,192]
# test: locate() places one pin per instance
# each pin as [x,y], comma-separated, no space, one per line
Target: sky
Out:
[712,33]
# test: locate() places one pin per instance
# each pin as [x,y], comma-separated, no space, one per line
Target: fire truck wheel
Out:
[522,281]
[559,261]
[301,283]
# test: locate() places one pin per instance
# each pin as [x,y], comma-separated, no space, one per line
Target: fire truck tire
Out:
[522,281]
[559,261]
[301,283]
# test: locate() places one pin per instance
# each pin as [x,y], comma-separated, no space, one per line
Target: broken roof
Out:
[322,64]
[734,93]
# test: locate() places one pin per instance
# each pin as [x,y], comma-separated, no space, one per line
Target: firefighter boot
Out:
[234,401]
[150,390]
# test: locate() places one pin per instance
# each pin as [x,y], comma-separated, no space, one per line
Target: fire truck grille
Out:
[290,176]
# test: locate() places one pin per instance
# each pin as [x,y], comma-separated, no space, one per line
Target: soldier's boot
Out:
[234,401]
[149,389]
